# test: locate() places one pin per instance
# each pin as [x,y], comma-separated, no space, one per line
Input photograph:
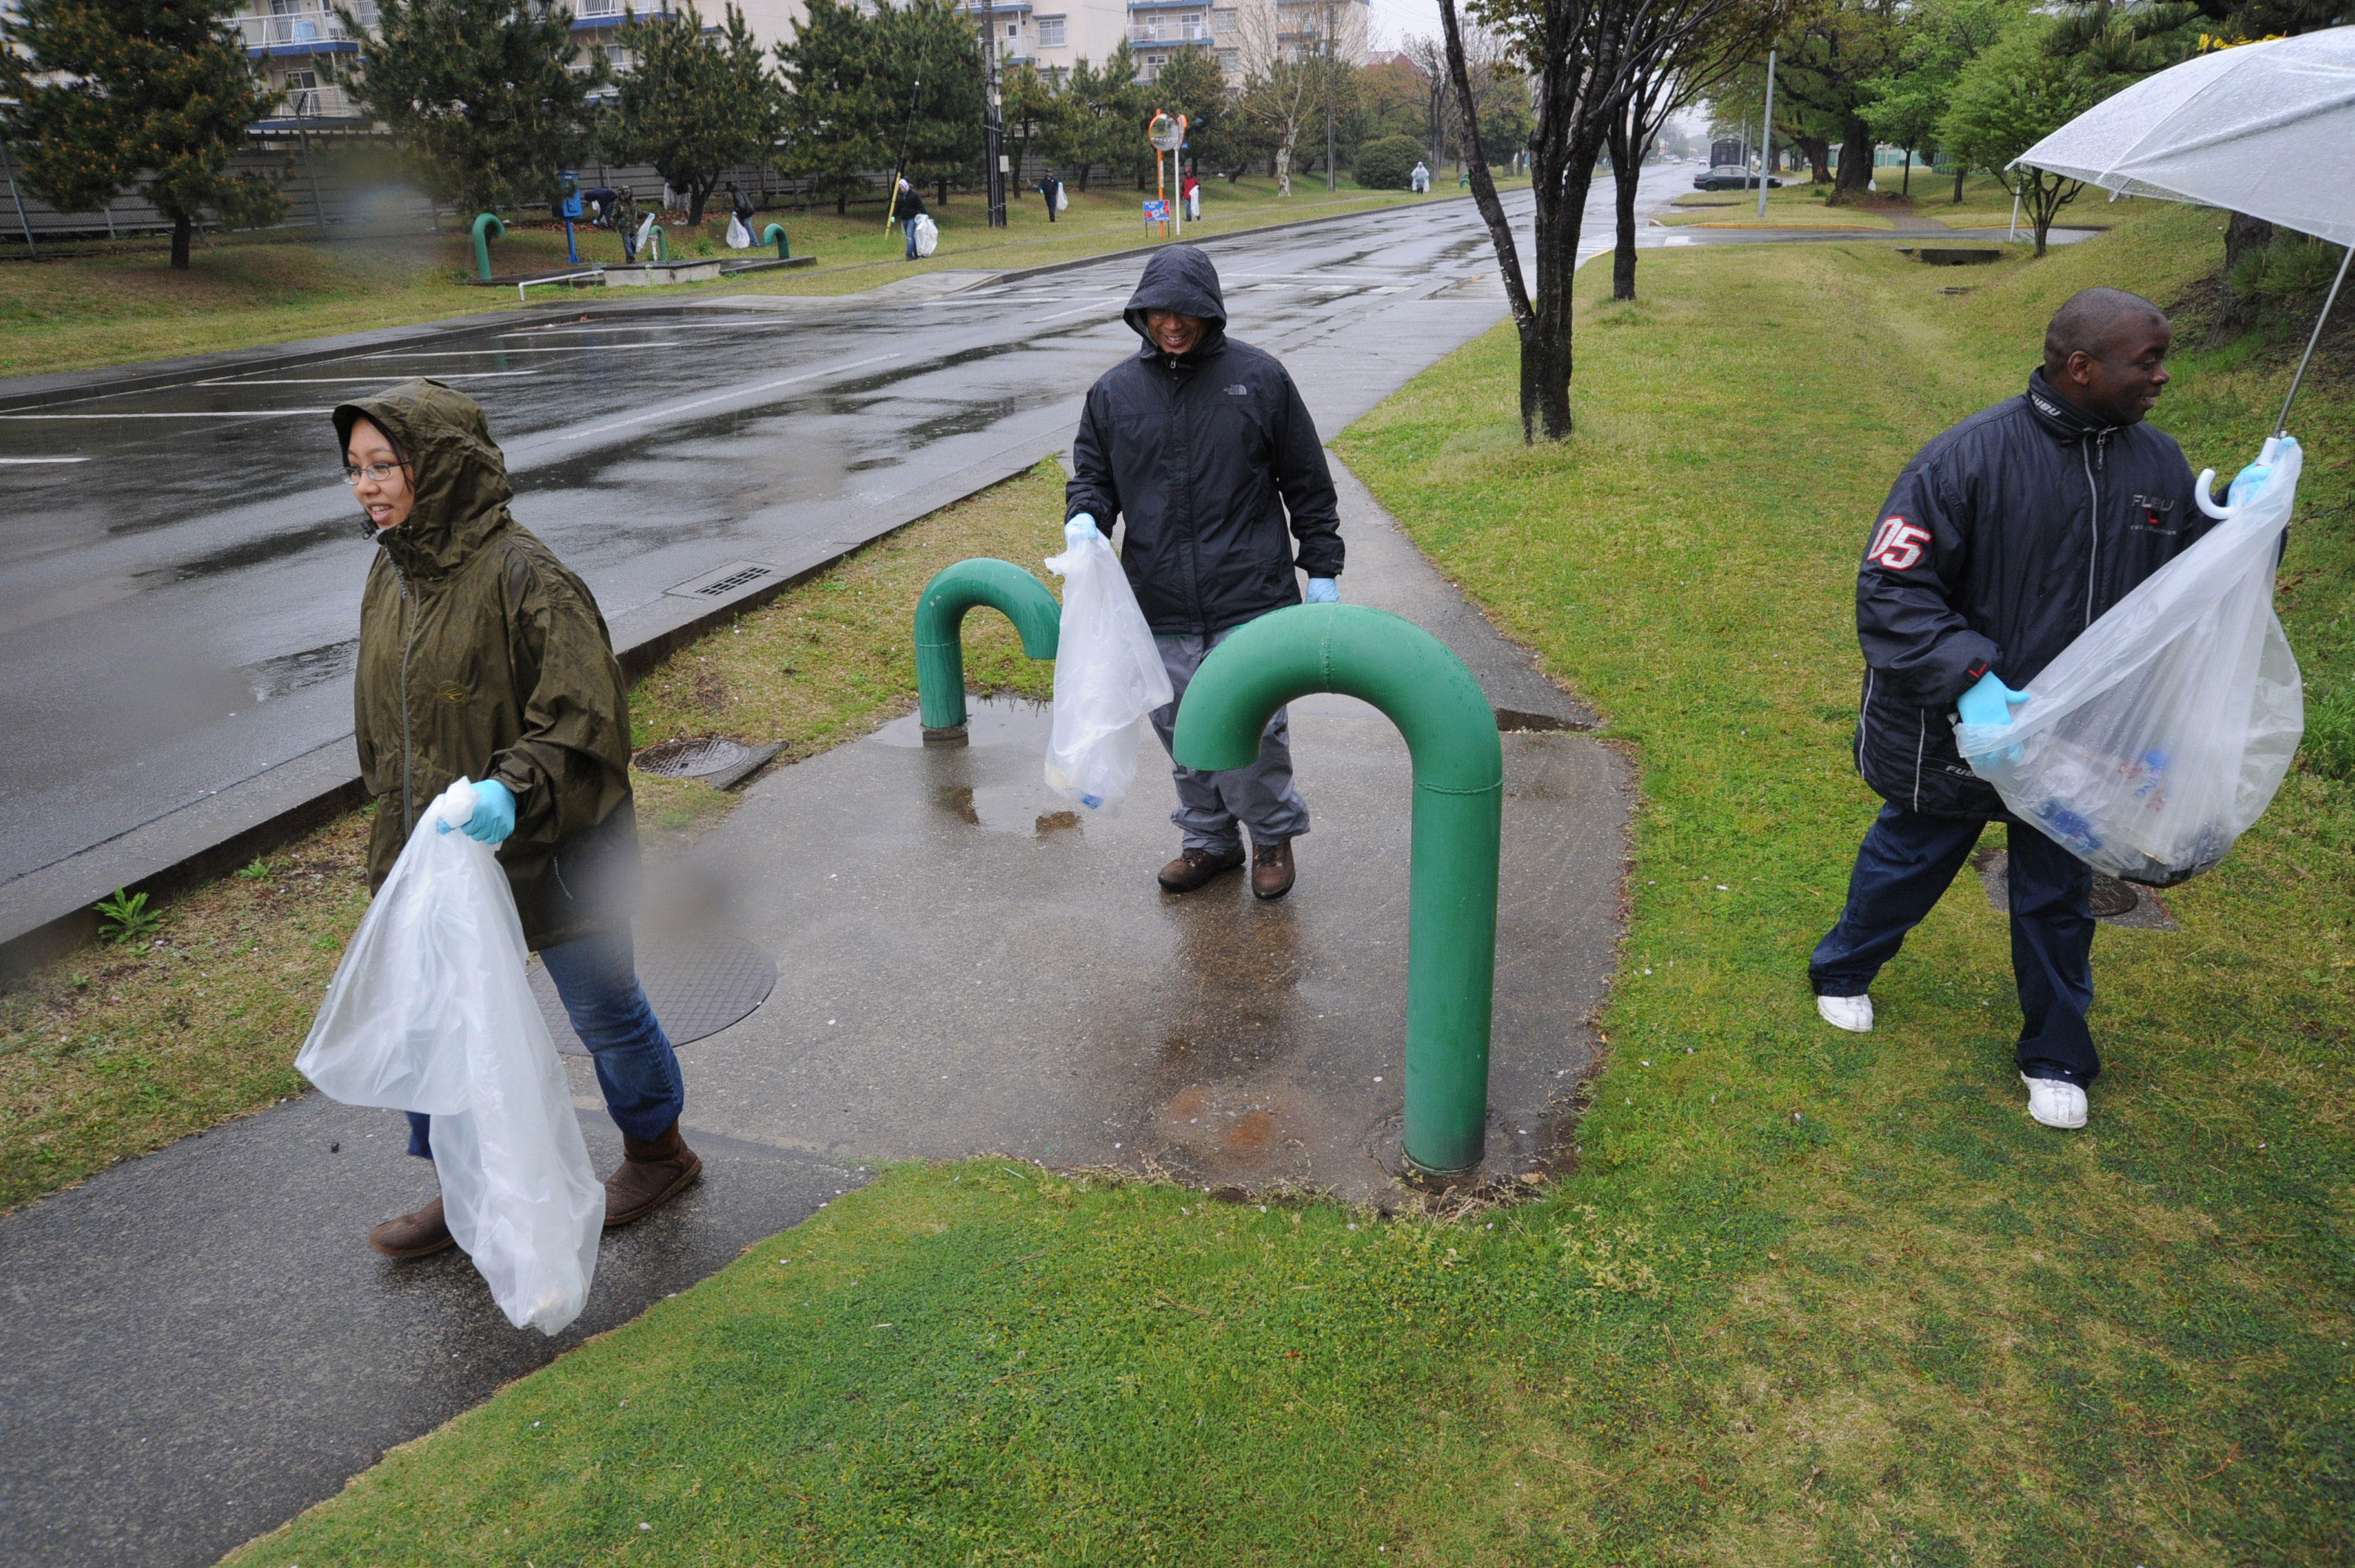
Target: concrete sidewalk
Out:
[202,1344]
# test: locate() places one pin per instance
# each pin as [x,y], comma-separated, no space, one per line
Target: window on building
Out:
[1013,29]
[1230,60]
[1223,21]
[1050,32]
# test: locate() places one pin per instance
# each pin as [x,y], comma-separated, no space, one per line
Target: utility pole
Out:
[1766,135]
[993,130]
[1332,82]
[9,170]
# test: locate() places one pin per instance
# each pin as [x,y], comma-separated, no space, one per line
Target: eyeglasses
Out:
[379,472]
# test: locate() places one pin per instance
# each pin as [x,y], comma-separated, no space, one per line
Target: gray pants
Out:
[1209,806]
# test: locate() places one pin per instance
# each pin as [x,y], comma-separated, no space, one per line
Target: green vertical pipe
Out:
[1459,791]
[940,623]
[488,227]
[776,232]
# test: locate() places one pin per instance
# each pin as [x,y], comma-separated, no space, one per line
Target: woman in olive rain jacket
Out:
[481,655]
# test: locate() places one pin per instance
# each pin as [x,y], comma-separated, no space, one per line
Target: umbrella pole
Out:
[2281,425]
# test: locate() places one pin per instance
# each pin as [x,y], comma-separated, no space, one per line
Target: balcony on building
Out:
[294,27]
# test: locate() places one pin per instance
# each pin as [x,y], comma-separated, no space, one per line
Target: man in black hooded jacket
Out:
[2003,539]
[1202,445]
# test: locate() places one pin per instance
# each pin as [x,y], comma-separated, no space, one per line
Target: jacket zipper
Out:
[1193,531]
[408,643]
[2094,570]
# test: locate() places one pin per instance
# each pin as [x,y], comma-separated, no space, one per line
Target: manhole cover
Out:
[695,988]
[692,758]
[2112,898]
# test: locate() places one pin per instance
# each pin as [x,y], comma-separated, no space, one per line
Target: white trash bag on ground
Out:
[928,234]
[738,236]
[2156,737]
[430,1012]
[1108,677]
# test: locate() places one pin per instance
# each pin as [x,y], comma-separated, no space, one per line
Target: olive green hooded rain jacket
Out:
[480,654]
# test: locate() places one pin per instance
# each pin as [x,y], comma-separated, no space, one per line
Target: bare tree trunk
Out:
[1472,159]
[2245,235]
[1855,163]
[1284,165]
[1627,172]
[1958,183]
[183,226]
[1819,160]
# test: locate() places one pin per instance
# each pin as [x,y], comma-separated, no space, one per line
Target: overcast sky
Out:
[1395,21]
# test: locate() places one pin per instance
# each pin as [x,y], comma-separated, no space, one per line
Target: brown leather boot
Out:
[1271,871]
[1194,867]
[651,1175]
[413,1235]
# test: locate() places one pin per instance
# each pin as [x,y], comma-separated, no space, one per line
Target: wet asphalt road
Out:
[180,569]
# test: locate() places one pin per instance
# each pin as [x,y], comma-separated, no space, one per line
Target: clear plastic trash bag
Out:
[430,1012]
[2156,737]
[1108,678]
[738,236]
[928,234]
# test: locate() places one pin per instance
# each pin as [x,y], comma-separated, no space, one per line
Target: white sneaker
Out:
[2055,1102]
[1853,1014]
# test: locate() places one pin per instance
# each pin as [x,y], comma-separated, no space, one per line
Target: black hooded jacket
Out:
[2003,539]
[1204,454]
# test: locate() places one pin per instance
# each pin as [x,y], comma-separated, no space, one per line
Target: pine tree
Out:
[839,119]
[114,94]
[694,106]
[481,95]
[932,40]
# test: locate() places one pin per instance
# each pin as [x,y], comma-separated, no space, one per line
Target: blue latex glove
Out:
[2247,482]
[1989,702]
[1079,530]
[1323,590]
[493,817]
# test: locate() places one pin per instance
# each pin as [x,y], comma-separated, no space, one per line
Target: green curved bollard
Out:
[940,623]
[1459,791]
[488,227]
[776,232]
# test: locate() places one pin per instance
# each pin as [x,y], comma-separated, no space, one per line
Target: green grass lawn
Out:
[1798,204]
[116,303]
[1801,1297]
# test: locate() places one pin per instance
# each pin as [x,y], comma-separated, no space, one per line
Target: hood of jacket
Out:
[1179,278]
[456,473]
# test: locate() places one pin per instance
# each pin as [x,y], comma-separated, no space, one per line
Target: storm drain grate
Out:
[692,758]
[695,988]
[722,580]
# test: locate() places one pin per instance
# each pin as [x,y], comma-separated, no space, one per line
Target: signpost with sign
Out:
[1168,134]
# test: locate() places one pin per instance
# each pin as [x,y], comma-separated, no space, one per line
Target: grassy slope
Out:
[1800,206]
[113,304]
[114,1051]
[1807,1298]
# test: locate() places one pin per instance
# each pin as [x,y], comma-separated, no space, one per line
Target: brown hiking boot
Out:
[1271,869]
[1193,868]
[651,1175]
[413,1235]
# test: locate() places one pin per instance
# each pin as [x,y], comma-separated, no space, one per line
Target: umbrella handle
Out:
[2200,493]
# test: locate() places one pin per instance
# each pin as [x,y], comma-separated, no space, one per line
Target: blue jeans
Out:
[907,226]
[1901,870]
[597,977]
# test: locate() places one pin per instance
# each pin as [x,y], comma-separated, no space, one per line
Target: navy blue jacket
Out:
[1212,459]
[2003,539]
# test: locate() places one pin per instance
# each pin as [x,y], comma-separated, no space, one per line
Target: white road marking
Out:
[10,462]
[552,349]
[1091,304]
[722,397]
[337,381]
[192,414]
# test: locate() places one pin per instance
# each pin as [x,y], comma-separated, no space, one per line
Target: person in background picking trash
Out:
[1421,179]
[906,208]
[1203,446]
[481,655]
[1052,190]
[2004,538]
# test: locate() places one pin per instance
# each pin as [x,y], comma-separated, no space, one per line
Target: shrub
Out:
[1388,163]
[2292,268]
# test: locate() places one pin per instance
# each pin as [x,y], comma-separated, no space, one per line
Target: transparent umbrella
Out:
[2266,129]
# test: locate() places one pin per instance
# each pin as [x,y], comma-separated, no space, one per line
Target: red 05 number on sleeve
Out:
[1897,544]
